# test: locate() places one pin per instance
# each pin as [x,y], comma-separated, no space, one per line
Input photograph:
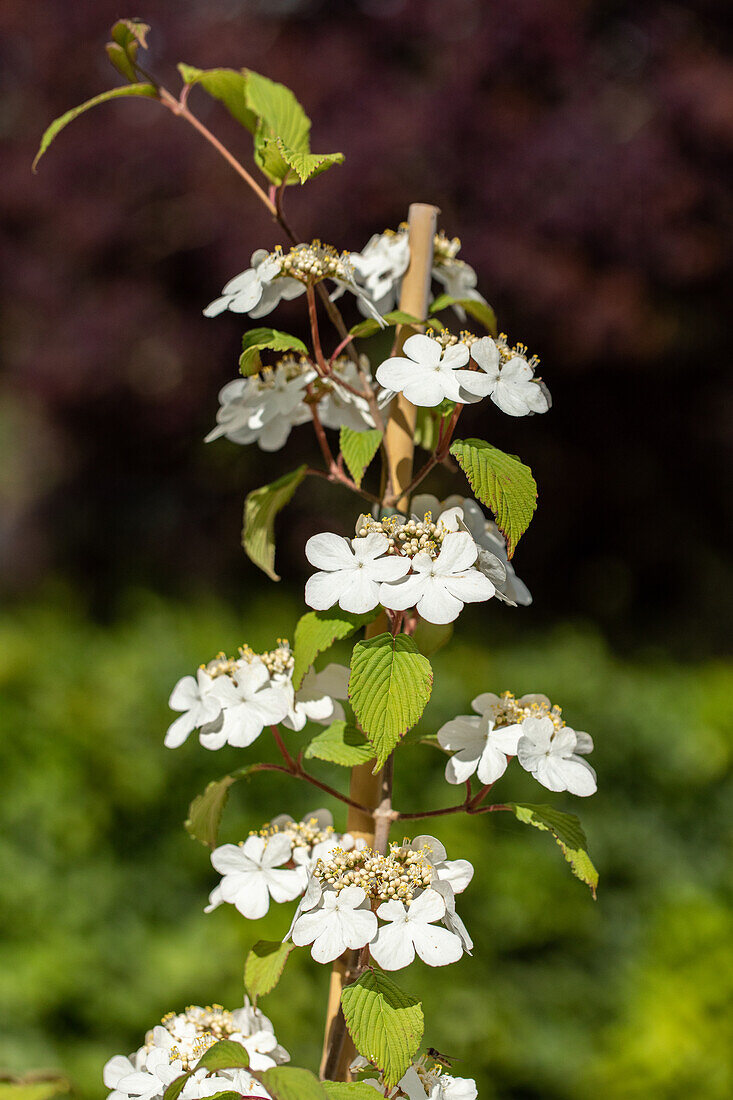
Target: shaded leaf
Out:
[351,1090]
[226,1054]
[261,339]
[264,966]
[567,831]
[340,744]
[228,86]
[389,687]
[317,631]
[385,1023]
[502,483]
[260,509]
[358,449]
[176,1087]
[430,637]
[146,90]
[291,1083]
[205,812]
[370,327]
[479,311]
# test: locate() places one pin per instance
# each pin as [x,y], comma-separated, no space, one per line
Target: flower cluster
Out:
[275,862]
[383,261]
[175,1046]
[465,368]
[265,407]
[389,902]
[530,728]
[435,566]
[279,275]
[232,699]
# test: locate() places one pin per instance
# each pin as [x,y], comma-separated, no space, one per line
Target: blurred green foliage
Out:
[102,922]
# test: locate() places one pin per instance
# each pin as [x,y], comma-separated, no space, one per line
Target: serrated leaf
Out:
[291,1083]
[307,165]
[226,1054]
[340,744]
[502,483]
[205,812]
[228,86]
[389,687]
[260,509]
[480,311]
[358,449]
[348,1090]
[262,339]
[567,831]
[317,631]
[58,124]
[385,1023]
[176,1087]
[370,327]
[264,966]
[430,637]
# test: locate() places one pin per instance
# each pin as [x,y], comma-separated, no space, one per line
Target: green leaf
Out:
[130,33]
[479,311]
[226,1095]
[175,1088]
[308,165]
[290,1083]
[260,509]
[502,483]
[358,449]
[389,687]
[226,1054]
[228,86]
[385,1023]
[430,637]
[340,744]
[317,631]
[567,831]
[264,966]
[205,812]
[370,327]
[261,339]
[121,61]
[114,93]
[352,1090]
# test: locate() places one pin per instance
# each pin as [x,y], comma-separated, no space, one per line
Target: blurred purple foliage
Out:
[581,151]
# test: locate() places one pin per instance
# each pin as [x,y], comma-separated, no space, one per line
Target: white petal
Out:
[330,552]
[457,553]
[437,604]
[179,730]
[429,906]
[492,765]
[429,390]
[436,946]
[403,594]
[323,590]
[393,948]
[390,568]
[422,349]
[361,594]
[462,732]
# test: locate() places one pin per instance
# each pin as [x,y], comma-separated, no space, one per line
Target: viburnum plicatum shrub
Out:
[353,896]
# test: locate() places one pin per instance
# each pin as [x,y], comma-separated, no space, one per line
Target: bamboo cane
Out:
[399,447]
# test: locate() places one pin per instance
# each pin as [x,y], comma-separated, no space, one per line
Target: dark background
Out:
[582,152]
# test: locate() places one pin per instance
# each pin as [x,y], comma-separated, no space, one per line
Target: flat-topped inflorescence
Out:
[398,875]
[509,710]
[406,536]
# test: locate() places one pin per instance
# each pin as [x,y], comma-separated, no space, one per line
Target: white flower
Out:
[551,755]
[411,929]
[457,872]
[351,571]
[258,289]
[439,587]
[315,698]
[200,706]
[427,373]
[265,407]
[341,921]
[477,746]
[459,280]
[252,874]
[509,383]
[249,701]
[380,266]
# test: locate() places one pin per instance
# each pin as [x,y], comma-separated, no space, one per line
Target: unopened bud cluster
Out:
[448,339]
[445,248]
[400,874]
[278,661]
[303,834]
[405,537]
[506,352]
[285,369]
[211,1024]
[311,263]
[511,710]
